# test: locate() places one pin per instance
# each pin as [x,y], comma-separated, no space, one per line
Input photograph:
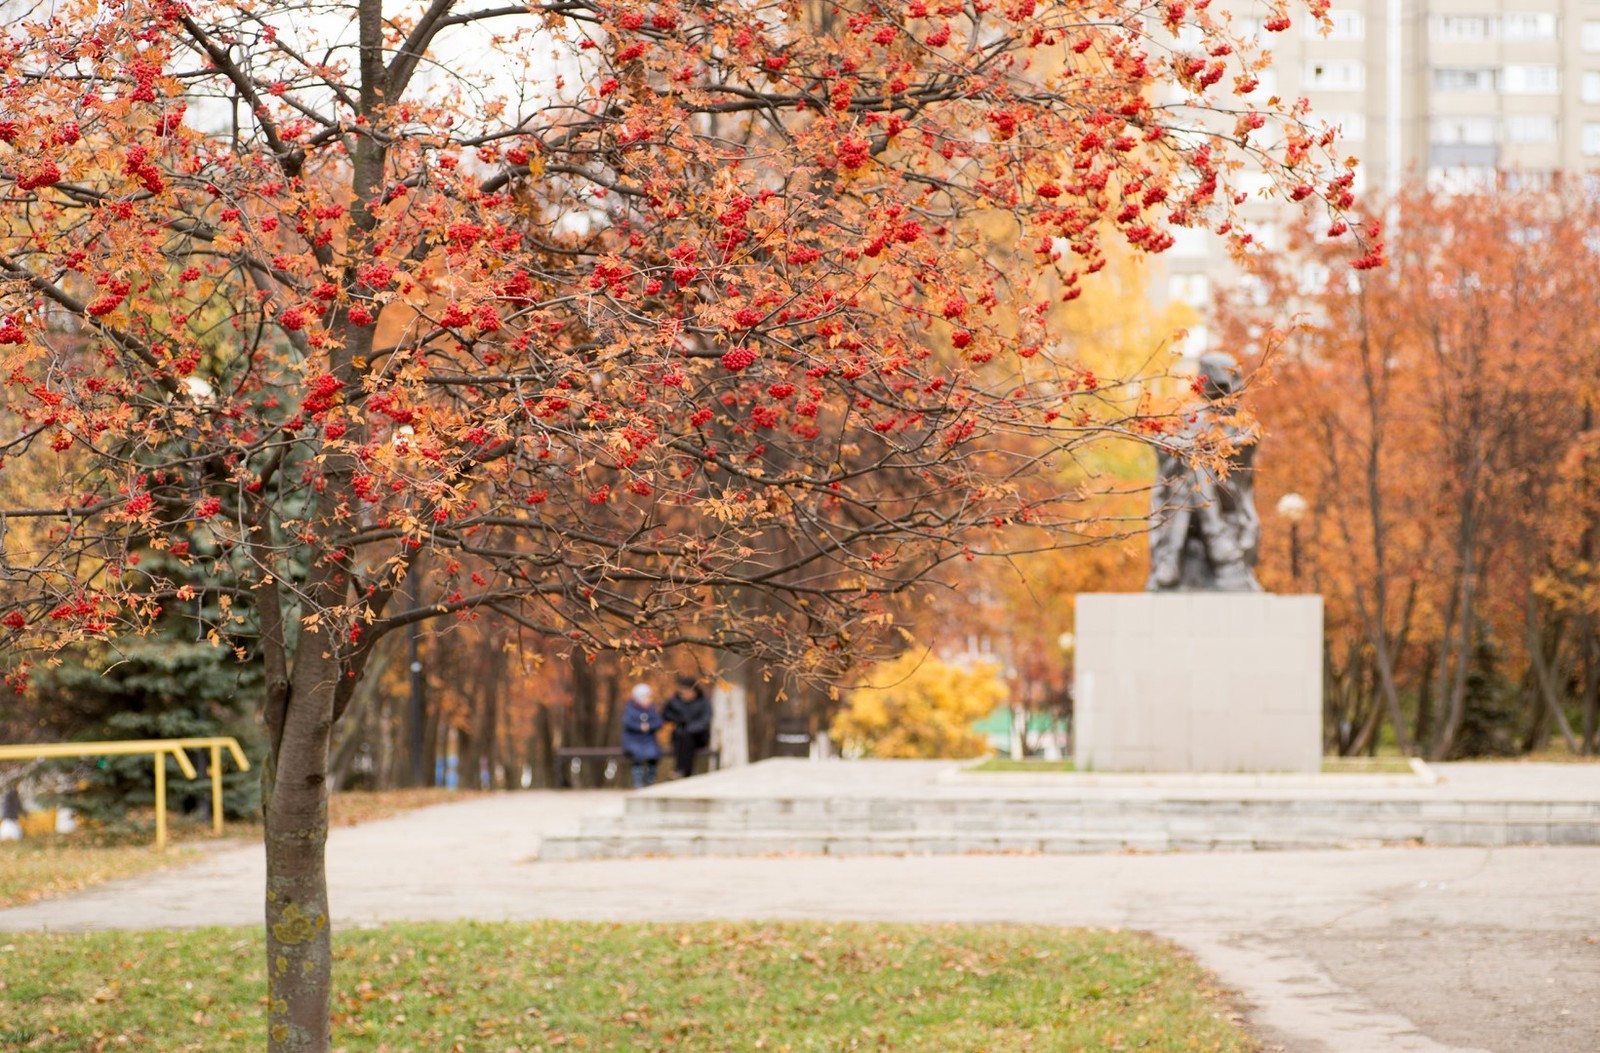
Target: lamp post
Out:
[1293,508]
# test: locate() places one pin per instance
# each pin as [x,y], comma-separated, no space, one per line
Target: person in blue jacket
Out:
[640,722]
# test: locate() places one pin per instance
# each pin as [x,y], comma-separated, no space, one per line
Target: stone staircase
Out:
[912,807]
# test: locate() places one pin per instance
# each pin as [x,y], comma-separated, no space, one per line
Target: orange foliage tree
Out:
[632,322]
[1439,415]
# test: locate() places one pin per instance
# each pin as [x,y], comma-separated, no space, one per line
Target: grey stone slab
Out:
[1207,682]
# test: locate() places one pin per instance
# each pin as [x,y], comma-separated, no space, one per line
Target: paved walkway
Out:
[1370,951]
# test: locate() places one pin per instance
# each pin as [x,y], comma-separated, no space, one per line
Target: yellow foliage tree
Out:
[924,708]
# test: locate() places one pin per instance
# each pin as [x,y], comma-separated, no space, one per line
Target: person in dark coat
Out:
[689,713]
[640,722]
[11,816]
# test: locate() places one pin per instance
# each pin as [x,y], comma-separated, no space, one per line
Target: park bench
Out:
[571,759]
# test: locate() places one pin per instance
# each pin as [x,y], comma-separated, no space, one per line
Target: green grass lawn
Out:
[1006,764]
[1366,766]
[1330,765]
[516,988]
[38,867]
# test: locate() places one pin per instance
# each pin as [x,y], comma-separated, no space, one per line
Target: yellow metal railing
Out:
[160,750]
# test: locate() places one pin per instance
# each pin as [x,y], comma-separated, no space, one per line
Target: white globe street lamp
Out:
[1293,508]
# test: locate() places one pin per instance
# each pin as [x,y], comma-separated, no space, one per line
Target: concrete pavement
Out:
[1432,950]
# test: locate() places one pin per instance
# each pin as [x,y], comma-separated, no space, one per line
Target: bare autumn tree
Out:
[609,319]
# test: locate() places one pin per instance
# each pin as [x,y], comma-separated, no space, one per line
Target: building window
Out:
[1464,27]
[1531,128]
[1591,85]
[1335,76]
[1192,289]
[1463,78]
[1591,139]
[1190,37]
[1352,126]
[1254,290]
[1189,243]
[1524,235]
[1269,237]
[1528,27]
[1530,80]
[1537,179]
[1345,25]
[1458,131]
[1256,184]
[1591,36]
[1313,277]
[1461,179]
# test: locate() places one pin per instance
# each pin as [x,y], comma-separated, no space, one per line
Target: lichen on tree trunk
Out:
[299,943]
[298,934]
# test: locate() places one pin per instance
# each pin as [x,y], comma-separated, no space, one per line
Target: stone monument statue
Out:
[1203,671]
[1203,523]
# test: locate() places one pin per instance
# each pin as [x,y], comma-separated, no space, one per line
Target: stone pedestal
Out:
[1198,681]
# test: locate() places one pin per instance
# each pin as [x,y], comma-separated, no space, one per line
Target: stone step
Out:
[838,807]
[632,843]
[622,840]
[1326,829]
[785,813]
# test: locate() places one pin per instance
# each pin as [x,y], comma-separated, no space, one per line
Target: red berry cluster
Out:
[738,358]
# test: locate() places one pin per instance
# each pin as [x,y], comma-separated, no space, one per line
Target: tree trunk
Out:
[299,944]
[1335,705]
[1456,700]
[1544,685]
[542,747]
[1588,628]
[763,718]
[1365,740]
[505,750]
[430,747]
[356,725]
[1453,679]
[1374,369]
[1537,733]
[488,722]
[1591,686]
[608,712]
[383,759]
[583,716]
[1391,690]
[1424,724]
[469,747]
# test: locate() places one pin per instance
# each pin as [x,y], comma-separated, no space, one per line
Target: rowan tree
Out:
[634,324]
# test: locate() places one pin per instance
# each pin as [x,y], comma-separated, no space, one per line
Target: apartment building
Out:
[1451,91]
